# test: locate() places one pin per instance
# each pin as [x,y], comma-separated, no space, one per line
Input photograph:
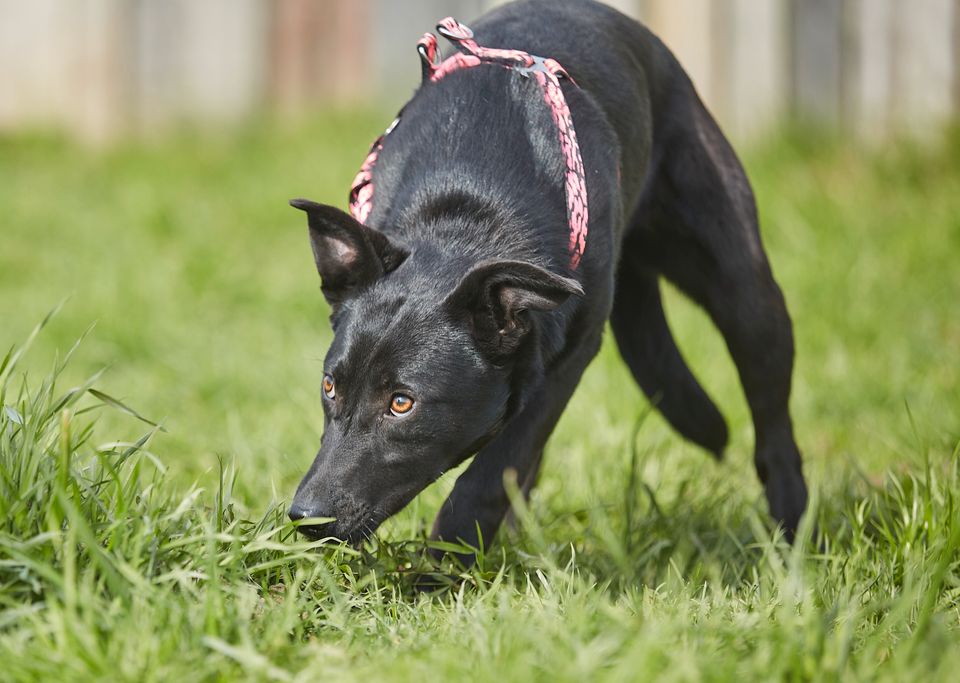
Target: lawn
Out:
[143,475]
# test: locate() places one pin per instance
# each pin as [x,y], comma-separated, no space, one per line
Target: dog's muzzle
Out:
[312,531]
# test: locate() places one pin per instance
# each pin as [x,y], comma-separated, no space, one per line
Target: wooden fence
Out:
[103,68]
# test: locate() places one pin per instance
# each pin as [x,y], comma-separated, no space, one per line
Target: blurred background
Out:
[148,149]
[107,68]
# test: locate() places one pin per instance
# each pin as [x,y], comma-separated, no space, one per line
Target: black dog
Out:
[463,321]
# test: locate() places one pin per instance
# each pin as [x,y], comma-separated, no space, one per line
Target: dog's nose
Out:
[314,531]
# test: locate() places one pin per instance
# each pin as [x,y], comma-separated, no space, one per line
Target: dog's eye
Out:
[329,389]
[400,405]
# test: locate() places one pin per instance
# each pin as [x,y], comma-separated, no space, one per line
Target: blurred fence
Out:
[103,68]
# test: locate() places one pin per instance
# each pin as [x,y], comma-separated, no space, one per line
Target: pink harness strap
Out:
[547,73]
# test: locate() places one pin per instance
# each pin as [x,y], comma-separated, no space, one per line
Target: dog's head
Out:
[426,364]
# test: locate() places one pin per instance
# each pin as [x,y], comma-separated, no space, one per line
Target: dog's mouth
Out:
[354,521]
[352,532]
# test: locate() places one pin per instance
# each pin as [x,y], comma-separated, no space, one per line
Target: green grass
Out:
[141,552]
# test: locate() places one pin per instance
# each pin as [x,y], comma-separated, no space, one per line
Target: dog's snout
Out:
[314,531]
[298,512]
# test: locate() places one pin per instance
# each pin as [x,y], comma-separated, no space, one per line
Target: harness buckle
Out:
[539,65]
[453,30]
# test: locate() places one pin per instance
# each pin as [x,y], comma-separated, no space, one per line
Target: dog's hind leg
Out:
[645,342]
[747,306]
[697,225]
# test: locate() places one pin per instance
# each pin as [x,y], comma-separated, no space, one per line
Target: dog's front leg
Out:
[478,503]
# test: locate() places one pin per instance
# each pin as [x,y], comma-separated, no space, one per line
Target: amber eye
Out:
[329,390]
[400,404]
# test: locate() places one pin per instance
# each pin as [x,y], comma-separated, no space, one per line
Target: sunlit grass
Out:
[143,473]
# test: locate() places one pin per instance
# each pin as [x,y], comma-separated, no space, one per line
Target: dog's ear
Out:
[497,296]
[349,255]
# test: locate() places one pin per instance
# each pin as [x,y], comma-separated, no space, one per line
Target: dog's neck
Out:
[468,227]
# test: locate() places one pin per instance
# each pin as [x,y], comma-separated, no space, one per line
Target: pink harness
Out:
[547,72]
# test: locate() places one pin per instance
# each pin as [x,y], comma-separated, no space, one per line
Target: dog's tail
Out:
[648,348]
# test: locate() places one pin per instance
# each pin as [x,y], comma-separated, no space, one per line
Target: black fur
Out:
[459,293]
